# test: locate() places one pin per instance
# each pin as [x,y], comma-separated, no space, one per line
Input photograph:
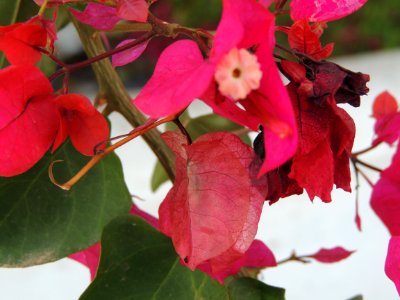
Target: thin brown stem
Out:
[294,257]
[138,131]
[355,154]
[51,56]
[73,67]
[183,130]
[367,165]
[366,178]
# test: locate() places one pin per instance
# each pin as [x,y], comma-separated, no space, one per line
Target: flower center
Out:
[238,73]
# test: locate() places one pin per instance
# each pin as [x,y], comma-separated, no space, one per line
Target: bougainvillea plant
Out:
[62,192]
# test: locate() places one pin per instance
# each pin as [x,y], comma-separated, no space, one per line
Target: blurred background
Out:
[367,41]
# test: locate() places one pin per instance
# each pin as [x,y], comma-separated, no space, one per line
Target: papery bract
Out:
[18,41]
[128,56]
[99,16]
[384,104]
[81,122]
[325,79]
[212,211]
[133,10]
[331,255]
[89,257]
[387,126]
[279,183]
[323,10]
[385,199]
[392,265]
[325,144]
[257,256]
[387,129]
[179,77]
[302,38]
[182,75]
[28,118]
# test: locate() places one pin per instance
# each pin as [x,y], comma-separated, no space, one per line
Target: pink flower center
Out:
[238,73]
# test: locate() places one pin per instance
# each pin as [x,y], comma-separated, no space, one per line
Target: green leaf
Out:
[40,223]
[159,176]
[9,11]
[358,297]
[249,288]
[212,123]
[138,262]
[47,66]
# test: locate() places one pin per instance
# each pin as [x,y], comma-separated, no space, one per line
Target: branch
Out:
[118,98]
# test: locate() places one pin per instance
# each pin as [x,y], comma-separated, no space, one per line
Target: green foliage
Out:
[358,297]
[249,288]
[138,262]
[9,12]
[196,12]
[40,223]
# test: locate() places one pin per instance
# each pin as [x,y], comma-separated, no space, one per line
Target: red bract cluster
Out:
[33,118]
[18,41]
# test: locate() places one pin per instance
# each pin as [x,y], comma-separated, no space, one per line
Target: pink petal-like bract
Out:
[387,128]
[89,257]
[133,10]
[270,105]
[212,211]
[243,24]
[323,10]
[385,199]
[128,56]
[392,265]
[181,75]
[331,255]
[273,103]
[99,16]
[257,256]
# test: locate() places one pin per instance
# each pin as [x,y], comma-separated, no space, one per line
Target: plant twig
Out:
[119,100]
[150,124]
